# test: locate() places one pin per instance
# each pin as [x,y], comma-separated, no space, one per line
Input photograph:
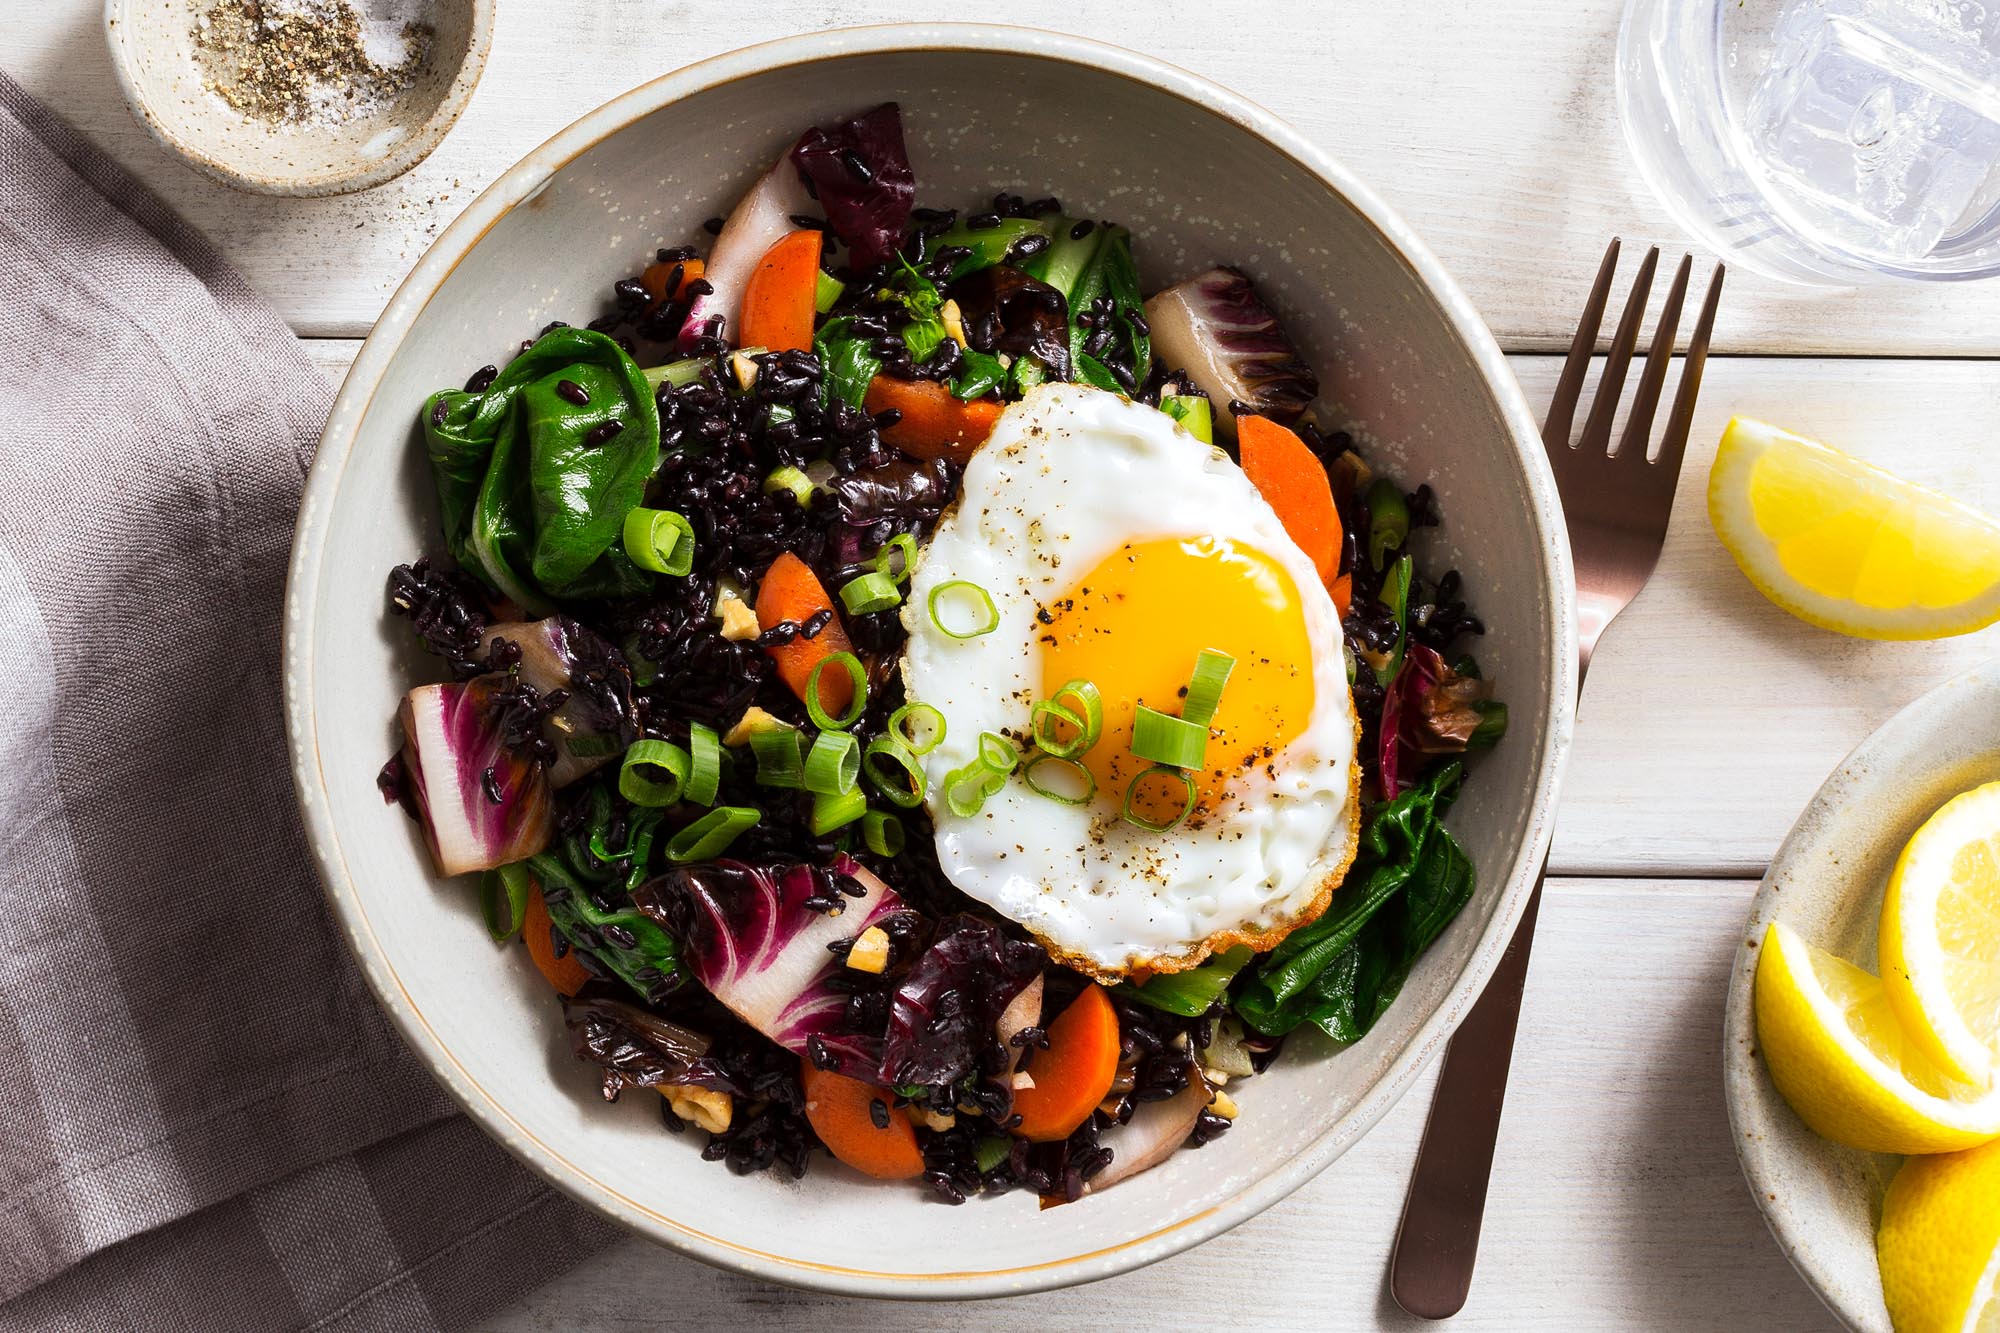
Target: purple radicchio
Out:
[480,802]
[759,221]
[1429,709]
[1217,331]
[860,173]
[944,1018]
[592,723]
[1028,317]
[636,1049]
[754,943]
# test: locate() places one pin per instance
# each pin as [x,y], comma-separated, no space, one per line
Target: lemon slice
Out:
[1940,940]
[1939,1244]
[1846,546]
[1837,1052]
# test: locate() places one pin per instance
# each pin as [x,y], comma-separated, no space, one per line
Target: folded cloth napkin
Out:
[204,1120]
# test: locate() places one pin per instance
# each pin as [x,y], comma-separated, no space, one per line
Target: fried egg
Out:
[1115,547]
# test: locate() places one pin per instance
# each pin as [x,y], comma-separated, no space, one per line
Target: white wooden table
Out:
[1710,716]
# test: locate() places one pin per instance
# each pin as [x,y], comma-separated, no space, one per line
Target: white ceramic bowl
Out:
[1823,1201]
[1201,176]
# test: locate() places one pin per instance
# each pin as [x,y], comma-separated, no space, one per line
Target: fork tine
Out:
[1674,443]
[1597,430]
[1647,398]
[1562,410]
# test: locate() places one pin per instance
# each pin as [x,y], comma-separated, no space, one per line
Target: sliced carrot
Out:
[778,299]
[1342,589]
[655,278]
[566,974]
[842,1113]
[1074,1074]
[1294,483]
[790,591]
[935,424]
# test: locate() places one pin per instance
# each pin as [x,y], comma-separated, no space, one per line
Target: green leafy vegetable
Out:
[1341,973]
[991,245]
[653,955]
[979,375]
[847,363]
[923,303]
[536,474]
[1111,273]
[1191,993]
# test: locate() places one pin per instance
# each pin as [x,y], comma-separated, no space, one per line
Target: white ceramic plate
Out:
[1823,1201]
[1201,176]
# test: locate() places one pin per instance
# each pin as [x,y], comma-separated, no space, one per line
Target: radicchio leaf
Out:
[860,173]
[594,723]
[754,944]
[904,492]
[944,1017]
[1030,318]
[637,1049]
[481,804]
[1216,330]
[1429,709]
[1153,1134]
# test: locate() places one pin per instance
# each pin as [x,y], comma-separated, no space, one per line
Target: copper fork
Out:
[1616,503]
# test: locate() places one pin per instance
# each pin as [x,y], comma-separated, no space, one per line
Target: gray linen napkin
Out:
[204,1120]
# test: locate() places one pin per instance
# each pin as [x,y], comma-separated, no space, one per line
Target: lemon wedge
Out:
[1939,1243]
[1844,545]
[1839,1055]
[1940,937]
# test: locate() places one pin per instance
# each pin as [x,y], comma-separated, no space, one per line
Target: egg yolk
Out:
[1134,625]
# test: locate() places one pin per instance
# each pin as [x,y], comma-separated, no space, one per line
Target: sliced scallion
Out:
[709,836]
[974,611]
[1161,738]
[704,764]
[882,833]
[815,710]
[826,291]
[503,894]
[865,593]
[1076,789]
[660,540]
[1211,673]
[896,557]
[894,771]
[833,764]
[790,479]
[830,812]
[918,726]
[1078,706]
[966,788]
[998,753]
[653,773]
[680,374]
[779,761]
[1388,521]
[1170,776]
[1192,412]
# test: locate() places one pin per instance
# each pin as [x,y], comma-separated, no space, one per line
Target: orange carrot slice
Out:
[656,276]
[934,424]
[1342,589]
[1073,1075]
[790,591]
[566,974]
[1292,481]
[778,299]
[841,1110]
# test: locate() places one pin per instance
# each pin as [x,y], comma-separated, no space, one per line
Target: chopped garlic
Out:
[754,721]
[745,369]
[1023,1080]
[1223,1105]
[709,1109]
[739,622]
[954,322]
[870,952]
[933,1119]
[1216,1077]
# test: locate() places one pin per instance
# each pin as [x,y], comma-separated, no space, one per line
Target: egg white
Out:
[1068,476]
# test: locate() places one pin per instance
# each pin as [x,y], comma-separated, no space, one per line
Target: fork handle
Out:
[1438,1241]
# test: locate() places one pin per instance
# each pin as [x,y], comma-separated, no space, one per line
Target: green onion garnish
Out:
[653,773]
[998,753]
[660,540]
[680,374]
[826,291]
[882,833]
[1081,785]
[977,611]
[1160,738]
[907,722]
[779,762]
[830,812]
[1388,521]
[894,771]
[869,592]
[966,789]
[704,764]
[503,898]
[790,479]
[1192,412]
[708,836]
[1211,673]
[896,557]
[990,1151]
[1083,715]
[851,664]
[832,764]
[1170,775]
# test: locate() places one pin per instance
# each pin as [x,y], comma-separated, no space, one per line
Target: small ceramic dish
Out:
[1201,176]
[191,72]
[1823,1201]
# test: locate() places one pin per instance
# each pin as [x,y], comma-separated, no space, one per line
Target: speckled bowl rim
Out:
[407,154]
[1746,1085]
[521,183]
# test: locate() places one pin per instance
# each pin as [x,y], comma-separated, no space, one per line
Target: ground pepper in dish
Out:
[308,61]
